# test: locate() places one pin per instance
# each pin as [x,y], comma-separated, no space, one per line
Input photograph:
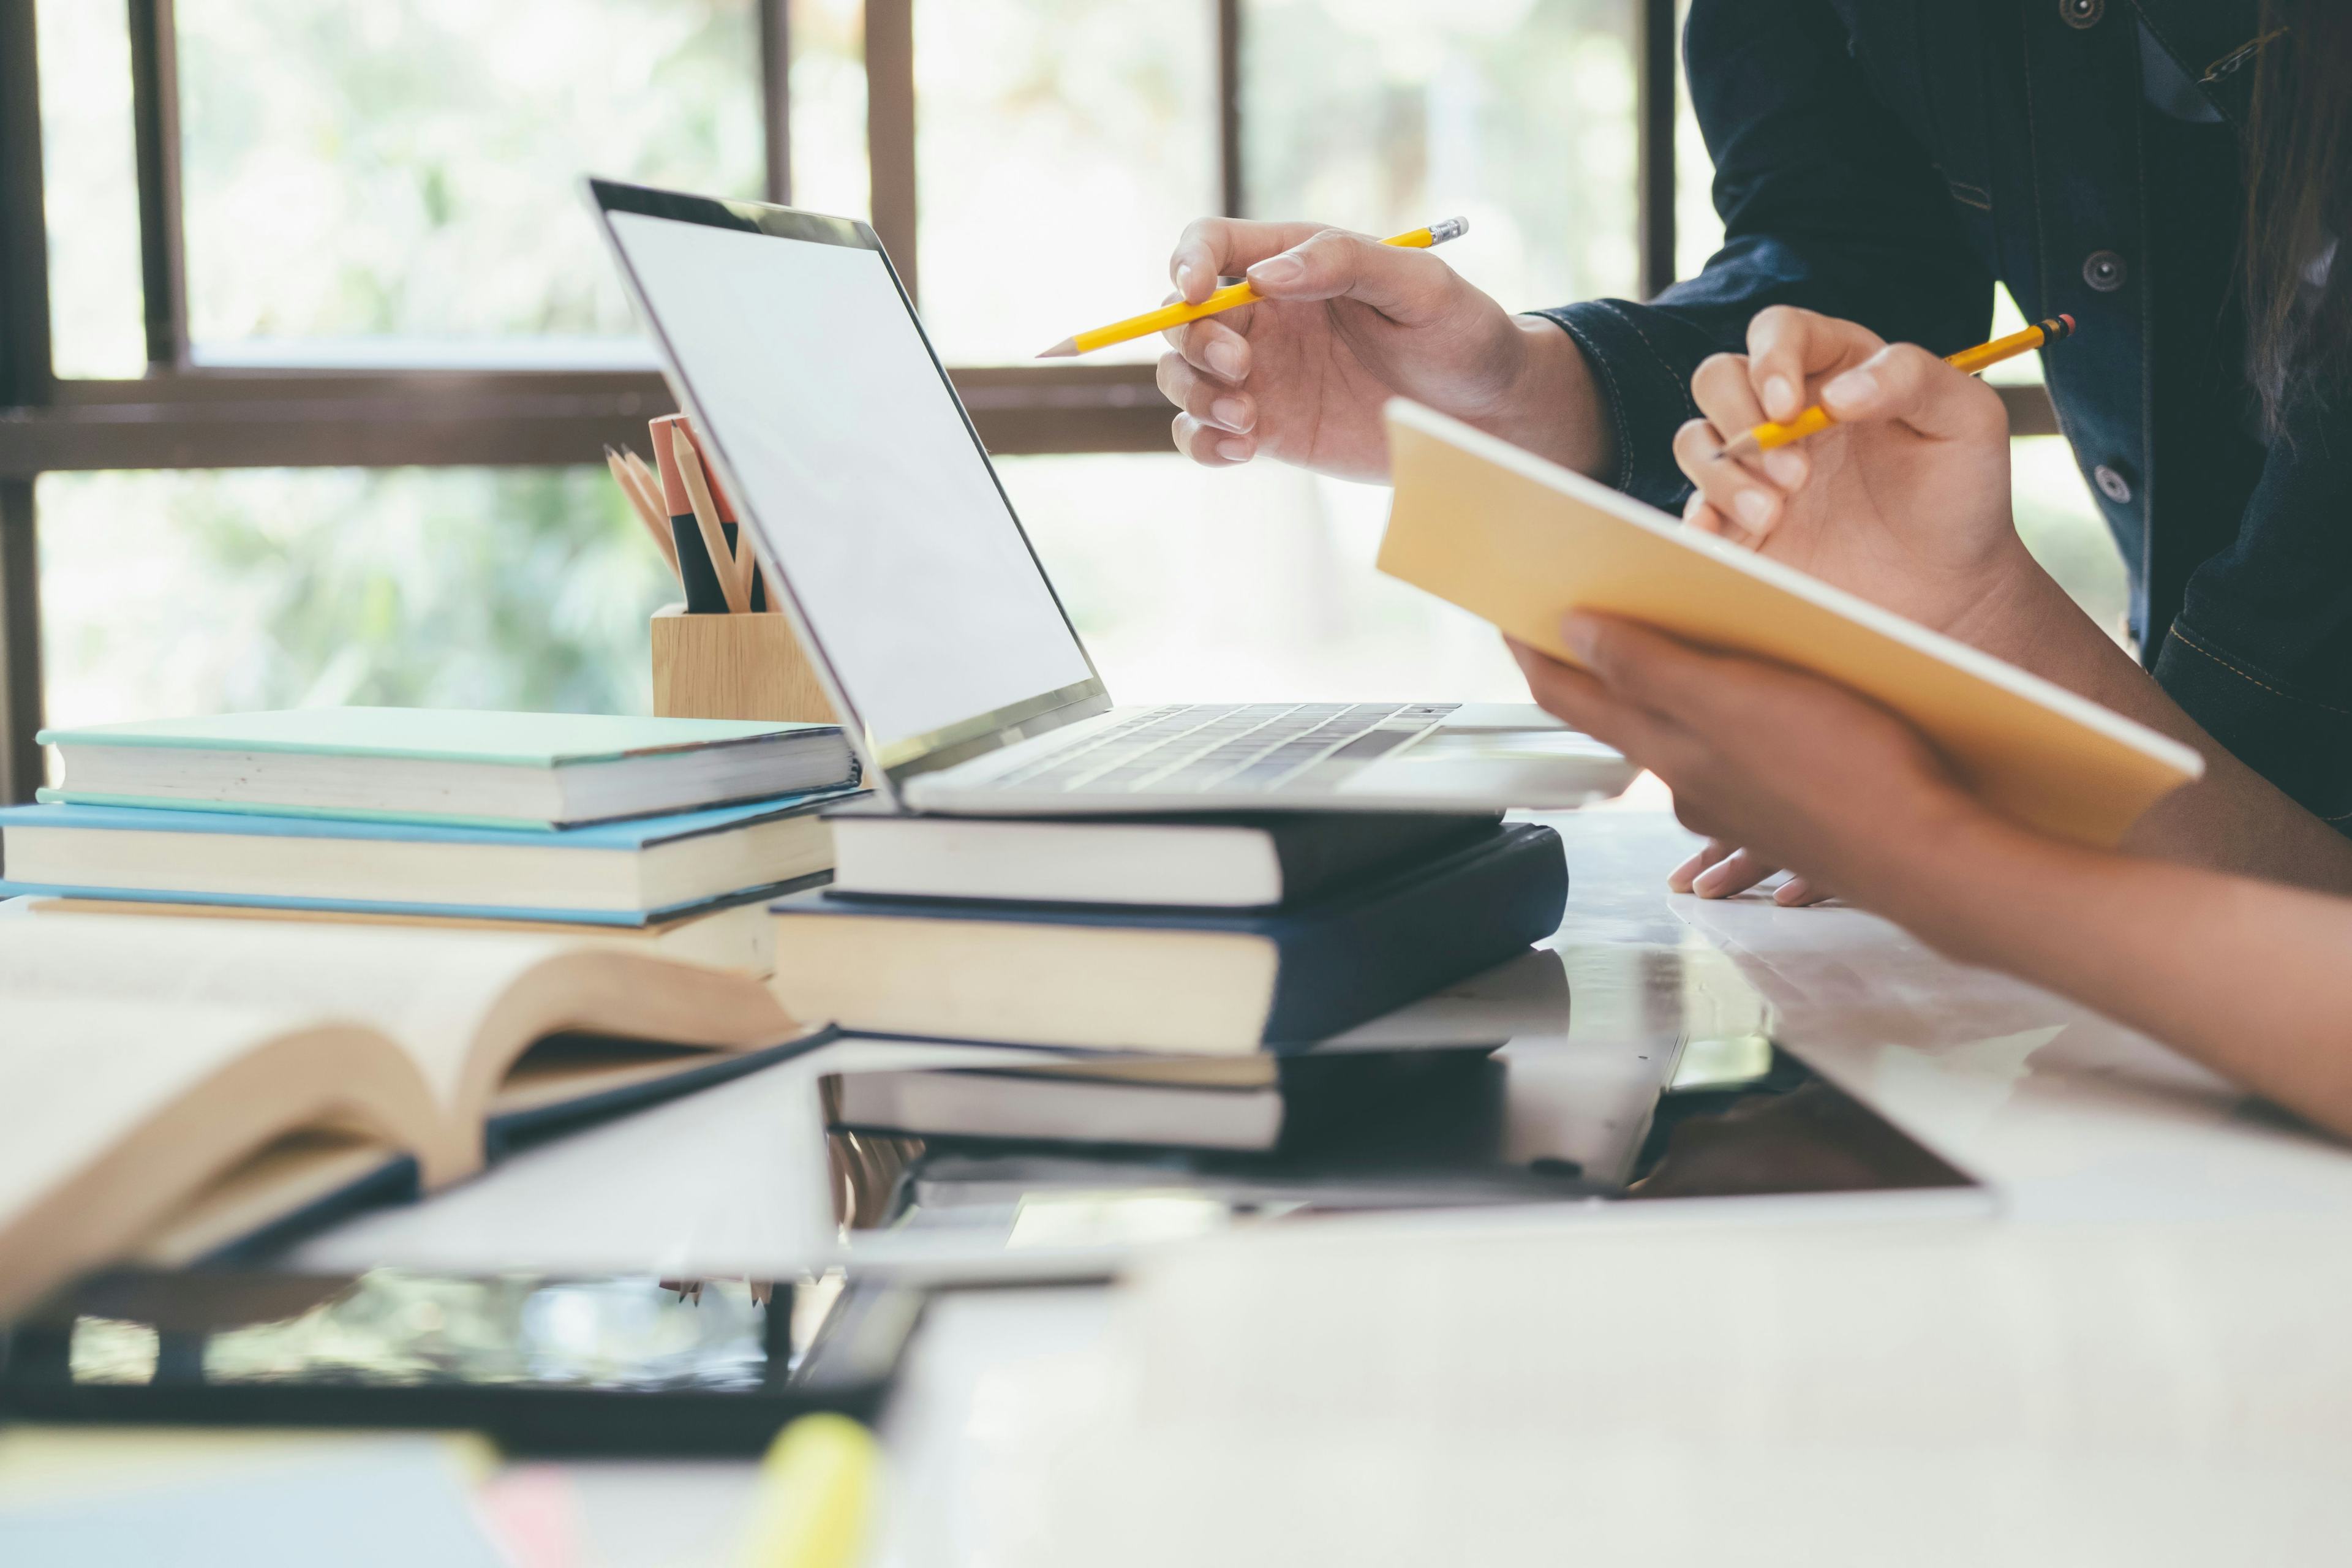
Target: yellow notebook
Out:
[1521,542]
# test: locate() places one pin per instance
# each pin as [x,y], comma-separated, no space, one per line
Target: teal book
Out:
[637,872]
[538,771]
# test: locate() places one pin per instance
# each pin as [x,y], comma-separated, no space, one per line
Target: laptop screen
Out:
[852,460]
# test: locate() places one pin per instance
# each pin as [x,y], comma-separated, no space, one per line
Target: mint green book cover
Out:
[431,734]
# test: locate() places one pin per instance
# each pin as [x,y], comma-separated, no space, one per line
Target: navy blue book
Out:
[1193,981]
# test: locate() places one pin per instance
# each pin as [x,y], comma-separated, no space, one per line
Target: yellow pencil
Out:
[1764,437]
[1225,299]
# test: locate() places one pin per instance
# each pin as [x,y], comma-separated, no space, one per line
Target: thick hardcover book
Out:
[483,769]
[1207,862]
[1174,980]
[630,873]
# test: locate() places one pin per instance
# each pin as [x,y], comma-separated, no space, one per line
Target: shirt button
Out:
[2082,12]
[2103,270]
[2112,485]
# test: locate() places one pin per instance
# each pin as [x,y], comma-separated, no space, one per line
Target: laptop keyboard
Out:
[1206,746]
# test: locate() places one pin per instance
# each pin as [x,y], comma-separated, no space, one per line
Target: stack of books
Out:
[1236,939]
[282,964]
[673,831]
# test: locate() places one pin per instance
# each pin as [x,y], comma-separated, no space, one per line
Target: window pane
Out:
[1698,230]
[1063,146]
[1380,115]
[406,169]
[171,592]
[90,179]
[2025,370]
[828,107]
[1247,584]
[2061,526]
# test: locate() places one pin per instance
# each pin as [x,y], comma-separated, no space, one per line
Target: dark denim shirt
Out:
[1887,161]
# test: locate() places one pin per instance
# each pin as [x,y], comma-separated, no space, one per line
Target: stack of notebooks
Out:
[1202,936]
[673,829]
[280,963]
[1243,940]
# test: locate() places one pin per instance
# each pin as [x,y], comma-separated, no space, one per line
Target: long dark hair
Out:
[2298,244]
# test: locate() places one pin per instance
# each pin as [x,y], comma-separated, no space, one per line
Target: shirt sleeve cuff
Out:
[1642,363]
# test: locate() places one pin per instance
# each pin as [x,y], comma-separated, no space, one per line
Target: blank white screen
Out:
[854,467]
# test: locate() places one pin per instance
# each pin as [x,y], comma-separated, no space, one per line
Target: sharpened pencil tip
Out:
[1066,348]
[1744,446]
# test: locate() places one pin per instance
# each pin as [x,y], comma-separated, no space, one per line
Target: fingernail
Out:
[1785,469]
[1780,398]
[1234,451]
[1853,388]
[1231,413]
[1755,508]
[1579,633]
[1226,360]
[1184,279]
[1278,269]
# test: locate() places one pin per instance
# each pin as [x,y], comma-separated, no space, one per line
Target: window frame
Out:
[181,416]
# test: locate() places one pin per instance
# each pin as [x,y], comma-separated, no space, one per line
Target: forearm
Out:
[2230,820]
[1553,406]
[2248,978]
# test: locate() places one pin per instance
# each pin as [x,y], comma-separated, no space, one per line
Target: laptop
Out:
[929,620]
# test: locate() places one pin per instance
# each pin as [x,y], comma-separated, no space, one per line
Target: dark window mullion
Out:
[776,95]
[27,379]
[156,133]
[20,645]
[26,367]
[1231,187]
[891,128]
[1654,41]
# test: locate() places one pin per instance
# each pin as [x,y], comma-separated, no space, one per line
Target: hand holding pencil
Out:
[1904,499]
[1340,323]
[1786,428]
[1185,310]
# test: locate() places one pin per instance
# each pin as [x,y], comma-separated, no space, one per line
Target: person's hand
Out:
[1346,323]
[1804,772]
[1905,502]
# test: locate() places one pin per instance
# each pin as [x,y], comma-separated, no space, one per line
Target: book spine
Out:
[1337,974]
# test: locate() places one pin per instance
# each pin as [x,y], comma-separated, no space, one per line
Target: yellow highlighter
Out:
[1226,299]
[817,1497]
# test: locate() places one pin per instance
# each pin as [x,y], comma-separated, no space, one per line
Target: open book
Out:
[1521,542]
[168,1087]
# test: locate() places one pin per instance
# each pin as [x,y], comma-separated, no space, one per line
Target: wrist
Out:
[1549,402]
[1955,881]
[2014,606]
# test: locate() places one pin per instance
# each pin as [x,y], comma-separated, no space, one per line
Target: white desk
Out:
[2064,1114]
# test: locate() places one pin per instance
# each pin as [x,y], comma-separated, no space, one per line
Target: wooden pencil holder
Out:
[733,666]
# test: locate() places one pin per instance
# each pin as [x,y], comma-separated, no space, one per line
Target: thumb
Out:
[1405,284]
[1904,383]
